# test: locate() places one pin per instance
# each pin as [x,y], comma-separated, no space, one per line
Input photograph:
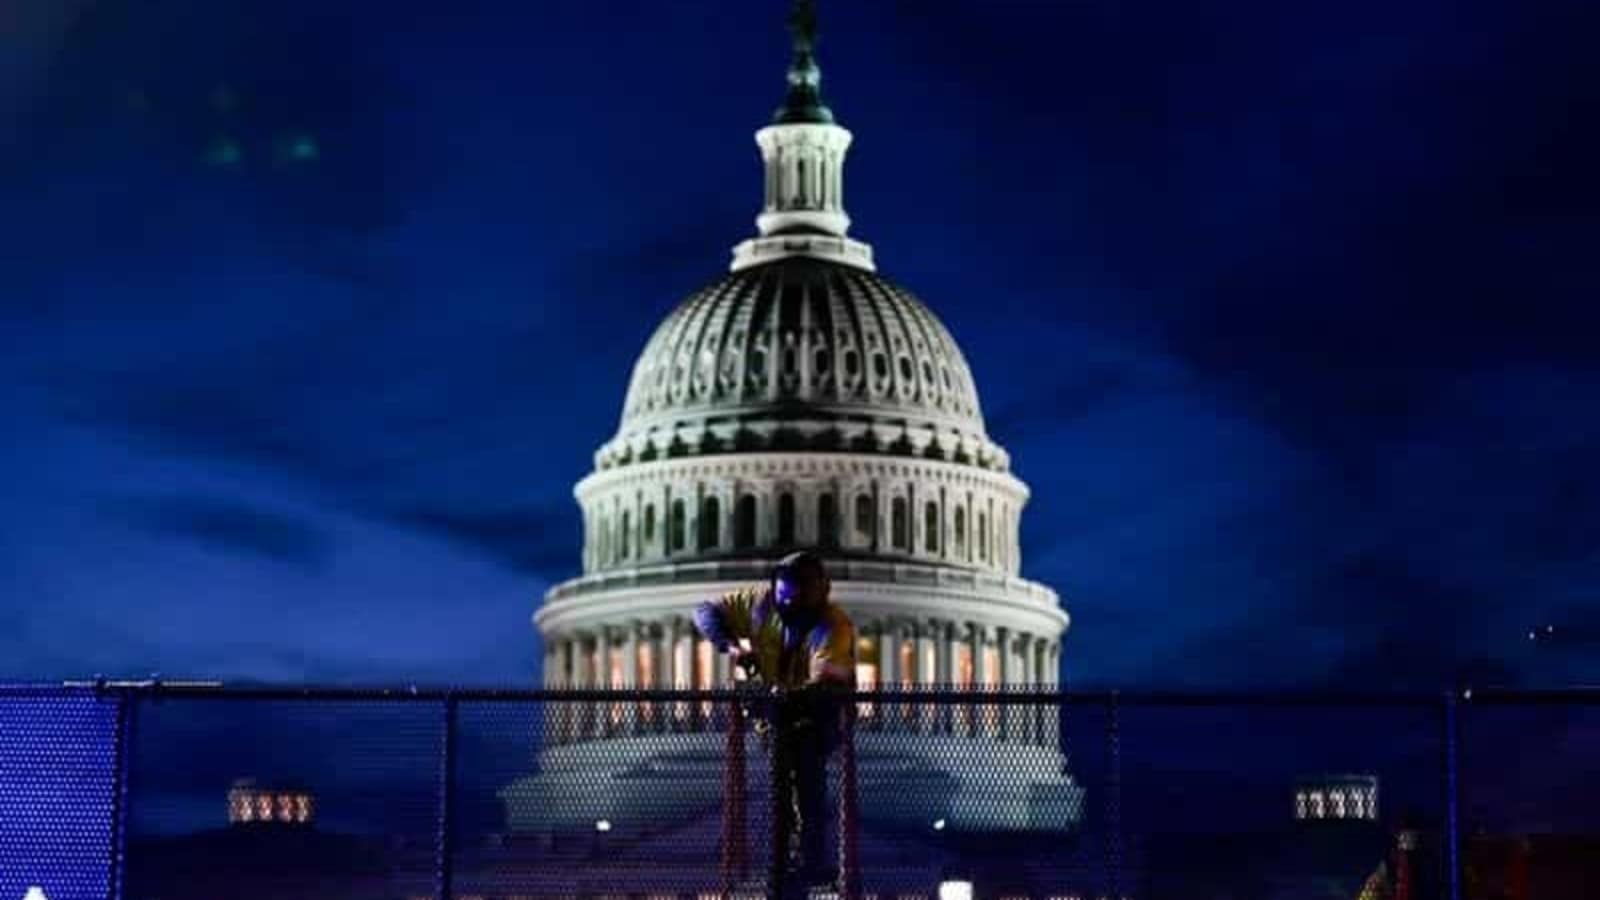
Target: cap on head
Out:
[800,567]
[800,562]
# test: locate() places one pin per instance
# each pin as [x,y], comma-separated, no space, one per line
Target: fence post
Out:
[782,822]
[120,748]
[1452,795]
[735,865]
[1113,796]
[444,863]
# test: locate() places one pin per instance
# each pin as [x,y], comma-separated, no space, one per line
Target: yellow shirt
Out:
[826,652]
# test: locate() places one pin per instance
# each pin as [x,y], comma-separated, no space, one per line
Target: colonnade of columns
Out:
[893,654]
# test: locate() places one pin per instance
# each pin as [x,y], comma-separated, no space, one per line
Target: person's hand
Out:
[743,659]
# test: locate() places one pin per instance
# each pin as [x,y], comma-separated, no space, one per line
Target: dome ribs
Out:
[812,355]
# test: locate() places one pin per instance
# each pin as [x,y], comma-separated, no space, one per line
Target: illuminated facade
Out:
[253,804]
[1337,798]
[804,400]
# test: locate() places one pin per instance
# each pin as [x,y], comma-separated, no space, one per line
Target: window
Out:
[710,519]
[827,521]
[675,527]
[605,540]
[983,536]
[649,523]
[744,522]
[866,518]
[899,527]
[930,526]
[785,519]
[961,532]
[622,548]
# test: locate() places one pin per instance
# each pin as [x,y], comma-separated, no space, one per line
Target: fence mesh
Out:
[58,793]
[1530,800]
[650,795]
[287,798]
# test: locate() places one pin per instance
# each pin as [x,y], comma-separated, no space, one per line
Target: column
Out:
[631,712]
[604,641]
[1052,676]
[927,671]
[977,639]
[1003,715]
[945,639]
[583,679]
[889,675]
[679,676]
[658,674]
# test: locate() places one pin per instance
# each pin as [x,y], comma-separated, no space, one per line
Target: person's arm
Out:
[726,620]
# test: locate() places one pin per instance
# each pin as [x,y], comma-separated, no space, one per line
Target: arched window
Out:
[866,518]
[899,525]
[785,520]
[983,536]
[649,523]
[625,536]
[827,521]
[675,527]
[710,521]
[930,526]
[961,532]
[744,522]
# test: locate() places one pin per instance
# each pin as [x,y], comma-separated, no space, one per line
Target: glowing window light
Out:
[602,825]
[938,824]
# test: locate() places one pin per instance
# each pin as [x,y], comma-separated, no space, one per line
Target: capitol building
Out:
[803,400]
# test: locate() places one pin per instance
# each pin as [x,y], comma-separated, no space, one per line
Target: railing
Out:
[137,791]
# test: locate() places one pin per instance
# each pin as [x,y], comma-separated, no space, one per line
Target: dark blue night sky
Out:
[313,313]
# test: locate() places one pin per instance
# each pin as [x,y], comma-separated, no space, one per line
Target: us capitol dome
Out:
[803,400]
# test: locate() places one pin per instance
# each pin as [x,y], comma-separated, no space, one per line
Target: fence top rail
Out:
[1028,695]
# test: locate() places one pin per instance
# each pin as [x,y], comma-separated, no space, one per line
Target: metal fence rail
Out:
[151,791]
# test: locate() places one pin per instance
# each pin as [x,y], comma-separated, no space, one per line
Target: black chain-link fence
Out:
[162,792]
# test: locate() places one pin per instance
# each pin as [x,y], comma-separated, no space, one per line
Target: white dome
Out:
[802,354]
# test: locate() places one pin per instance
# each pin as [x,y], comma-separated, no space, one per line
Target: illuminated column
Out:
[603,646]
[722,670]
[1052,677]
[630,658]
[1030,677]
[661,655]
[680,668]
[1003,714]
[630,678]
[585,677]
[888,670]
[982,713]
[927,673]
[946,640]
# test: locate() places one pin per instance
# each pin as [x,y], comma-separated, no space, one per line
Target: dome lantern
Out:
[803,150]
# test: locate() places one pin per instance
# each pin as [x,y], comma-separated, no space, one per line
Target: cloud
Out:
[229,526]
[535,540]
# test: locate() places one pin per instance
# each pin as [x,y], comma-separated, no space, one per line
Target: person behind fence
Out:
[790,635]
